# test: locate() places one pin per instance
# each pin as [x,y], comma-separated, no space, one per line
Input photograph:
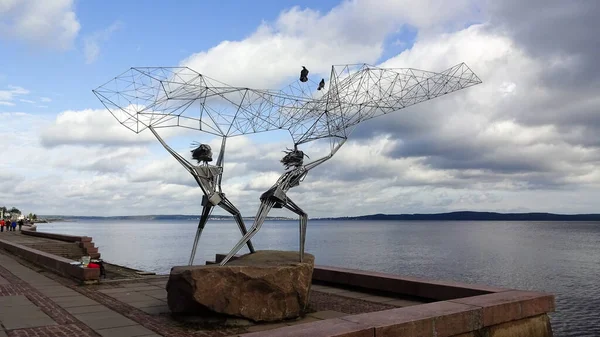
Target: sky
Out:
[526,139]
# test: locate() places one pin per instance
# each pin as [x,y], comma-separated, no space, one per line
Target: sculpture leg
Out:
[231,209]
[303,223]
[263,211]
[203,219]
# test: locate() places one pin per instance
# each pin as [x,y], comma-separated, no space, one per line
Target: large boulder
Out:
[262,286]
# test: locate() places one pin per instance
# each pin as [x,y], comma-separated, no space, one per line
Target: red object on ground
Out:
[93,265]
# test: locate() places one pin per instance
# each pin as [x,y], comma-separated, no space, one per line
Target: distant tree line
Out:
[11,210]
[14,210]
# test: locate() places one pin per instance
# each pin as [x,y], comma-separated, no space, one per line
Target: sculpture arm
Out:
[220,163]
[177,156]
[320,161]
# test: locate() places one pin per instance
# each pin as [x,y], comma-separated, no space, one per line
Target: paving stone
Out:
[134,285]
[23,309]
[65,293]
[145,288]
[156,309]
[13,301]
[159,283]
[327,314]
[87,309]
[26,320]
[159,294]
[143,304]
[104,320]
[74,301]
[115,290]
[127,331]
[36,281]
[51,287]
[132,297]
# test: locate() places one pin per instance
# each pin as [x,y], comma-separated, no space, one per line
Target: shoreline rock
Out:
[265,286]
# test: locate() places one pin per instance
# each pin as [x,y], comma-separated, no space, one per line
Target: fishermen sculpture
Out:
[153,97]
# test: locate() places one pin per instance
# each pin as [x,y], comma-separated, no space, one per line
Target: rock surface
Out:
[263,286]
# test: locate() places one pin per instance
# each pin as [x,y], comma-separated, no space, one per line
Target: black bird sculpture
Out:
[321,84]
[304,74]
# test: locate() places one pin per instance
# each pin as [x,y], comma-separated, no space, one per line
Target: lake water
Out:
[560,258]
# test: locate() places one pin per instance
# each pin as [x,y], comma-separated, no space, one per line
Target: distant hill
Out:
[479,216]
[146,217]
[452,216]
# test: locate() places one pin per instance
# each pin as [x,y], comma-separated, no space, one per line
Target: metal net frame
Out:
[160,97]
[181,97]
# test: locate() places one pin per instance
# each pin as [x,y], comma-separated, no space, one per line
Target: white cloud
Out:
[91,44]
[45,99]
[352,32]
[511,143]
[89,127]
[7,97]
[51,24]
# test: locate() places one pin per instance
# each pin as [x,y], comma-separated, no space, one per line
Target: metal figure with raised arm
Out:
[276,196]
[208,178]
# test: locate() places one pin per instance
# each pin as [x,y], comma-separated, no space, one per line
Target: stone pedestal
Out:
[263,286]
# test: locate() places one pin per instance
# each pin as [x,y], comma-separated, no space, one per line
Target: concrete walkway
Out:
[32,304]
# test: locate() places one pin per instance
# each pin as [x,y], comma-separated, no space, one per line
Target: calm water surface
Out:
[555,257]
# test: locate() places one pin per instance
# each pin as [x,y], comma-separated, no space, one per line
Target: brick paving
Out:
[160,323]
[67,330]
[67,324]
[138,307]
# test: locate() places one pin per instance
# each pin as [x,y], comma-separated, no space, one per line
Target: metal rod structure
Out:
[163,97]
[277,197]
[208,178]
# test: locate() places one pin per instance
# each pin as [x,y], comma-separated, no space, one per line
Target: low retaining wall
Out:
[457,310]
[84,242]
[505,313]
[57,264]
[402,285]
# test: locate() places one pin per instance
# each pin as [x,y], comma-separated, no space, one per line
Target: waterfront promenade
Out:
[32,304]
[38,303]
[35,303]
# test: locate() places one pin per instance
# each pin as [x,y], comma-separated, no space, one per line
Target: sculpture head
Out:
[293,158]
[202,153]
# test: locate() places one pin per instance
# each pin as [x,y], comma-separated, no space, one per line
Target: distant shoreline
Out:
[451,216]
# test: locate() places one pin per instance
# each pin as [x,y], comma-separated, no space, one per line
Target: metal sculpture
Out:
[180,97]
[209,179]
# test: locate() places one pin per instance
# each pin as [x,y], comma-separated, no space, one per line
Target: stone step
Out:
[70,251]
